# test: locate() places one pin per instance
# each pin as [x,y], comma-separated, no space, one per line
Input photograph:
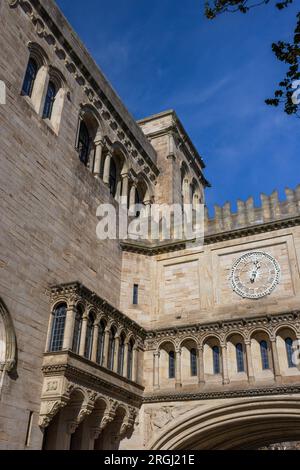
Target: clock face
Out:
[255,275]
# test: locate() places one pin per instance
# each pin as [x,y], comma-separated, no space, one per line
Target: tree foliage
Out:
[286,52]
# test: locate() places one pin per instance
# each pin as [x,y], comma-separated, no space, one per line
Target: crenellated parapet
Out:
[247,215]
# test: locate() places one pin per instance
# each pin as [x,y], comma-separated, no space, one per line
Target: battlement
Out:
[271,210]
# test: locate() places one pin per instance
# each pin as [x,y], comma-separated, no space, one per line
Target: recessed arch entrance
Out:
[239,424]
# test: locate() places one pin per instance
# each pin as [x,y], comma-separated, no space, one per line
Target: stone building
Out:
[109,344]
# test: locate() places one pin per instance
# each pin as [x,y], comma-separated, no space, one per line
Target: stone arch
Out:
[8,342]
[210,342]
[89,125]
[166,347]
[257,336]
[38,54]
[189,360]
[237,424]
[287,364]
[236,356]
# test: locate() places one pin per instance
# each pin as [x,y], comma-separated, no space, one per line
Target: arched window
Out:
[264,355]
[77,330]
[84,143]
[89,336]
[216,360]
[30,76]
[240,358]
[49,101]
[100,347]
[129,360]
[289,352]
[193,355]
[111,348]
[58,328]
[171,365]
[113,178]
[121,355]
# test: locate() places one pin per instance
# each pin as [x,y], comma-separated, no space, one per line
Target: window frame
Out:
[58,328]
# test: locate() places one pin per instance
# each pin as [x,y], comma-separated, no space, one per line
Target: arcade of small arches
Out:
[242,356]
[192,193]
[96,337]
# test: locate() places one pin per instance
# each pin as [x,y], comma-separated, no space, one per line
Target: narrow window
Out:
[135,294]
[289,352]
[30,76]
[89,337]
[264,355]
[49,101]
[240,358]
[129,360]
[100,347]
[111,348]
[193,355]
[113,178]
[84,143]
[121,355]
[77,331]
[216,360]
[171,365]
[29,429]
[58,328]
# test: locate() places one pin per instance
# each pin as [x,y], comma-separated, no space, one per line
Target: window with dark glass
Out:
[111,348]
[121,355]
[135,294]
[264,355]
[89,337]
[216,360]
[240,358]
[77,331]
[129,360]
[171,365]
[84,143]
[113,178]
[49,101]
[100,347]
[193,355]
[58,328]
[30,76]
[289,352]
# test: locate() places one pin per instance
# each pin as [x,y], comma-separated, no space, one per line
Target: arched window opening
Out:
[30,76]
[77,330]
[289,352]
[89,336]
[58,328]
[84,143]
[264,355]
[216,360]
[240,358]
[129,360]
[121,355]
[49,101]
[100,347]
[193,355]
[111,348]
[171,365]
[113,178]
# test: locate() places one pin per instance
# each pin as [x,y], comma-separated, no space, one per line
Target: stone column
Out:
[69,328]
[276,365]
[106,171]
[95,342]
[201,376]
[135,364]
[132,198]
[125,187]
[83,335]
[98,158]
[125,368]
[178,382]
[250,370]
[106,347]
[225,365]
[116,354]
[156,356]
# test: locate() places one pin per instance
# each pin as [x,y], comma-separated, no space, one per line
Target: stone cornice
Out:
[214,395]
[152,249]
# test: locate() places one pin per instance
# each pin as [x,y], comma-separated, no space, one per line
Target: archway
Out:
[239,424]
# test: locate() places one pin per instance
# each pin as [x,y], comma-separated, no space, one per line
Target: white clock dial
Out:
[255,275]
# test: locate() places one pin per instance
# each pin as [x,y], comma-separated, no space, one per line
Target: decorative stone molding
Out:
[9,360]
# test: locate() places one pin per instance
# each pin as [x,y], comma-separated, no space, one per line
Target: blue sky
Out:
[216,74]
